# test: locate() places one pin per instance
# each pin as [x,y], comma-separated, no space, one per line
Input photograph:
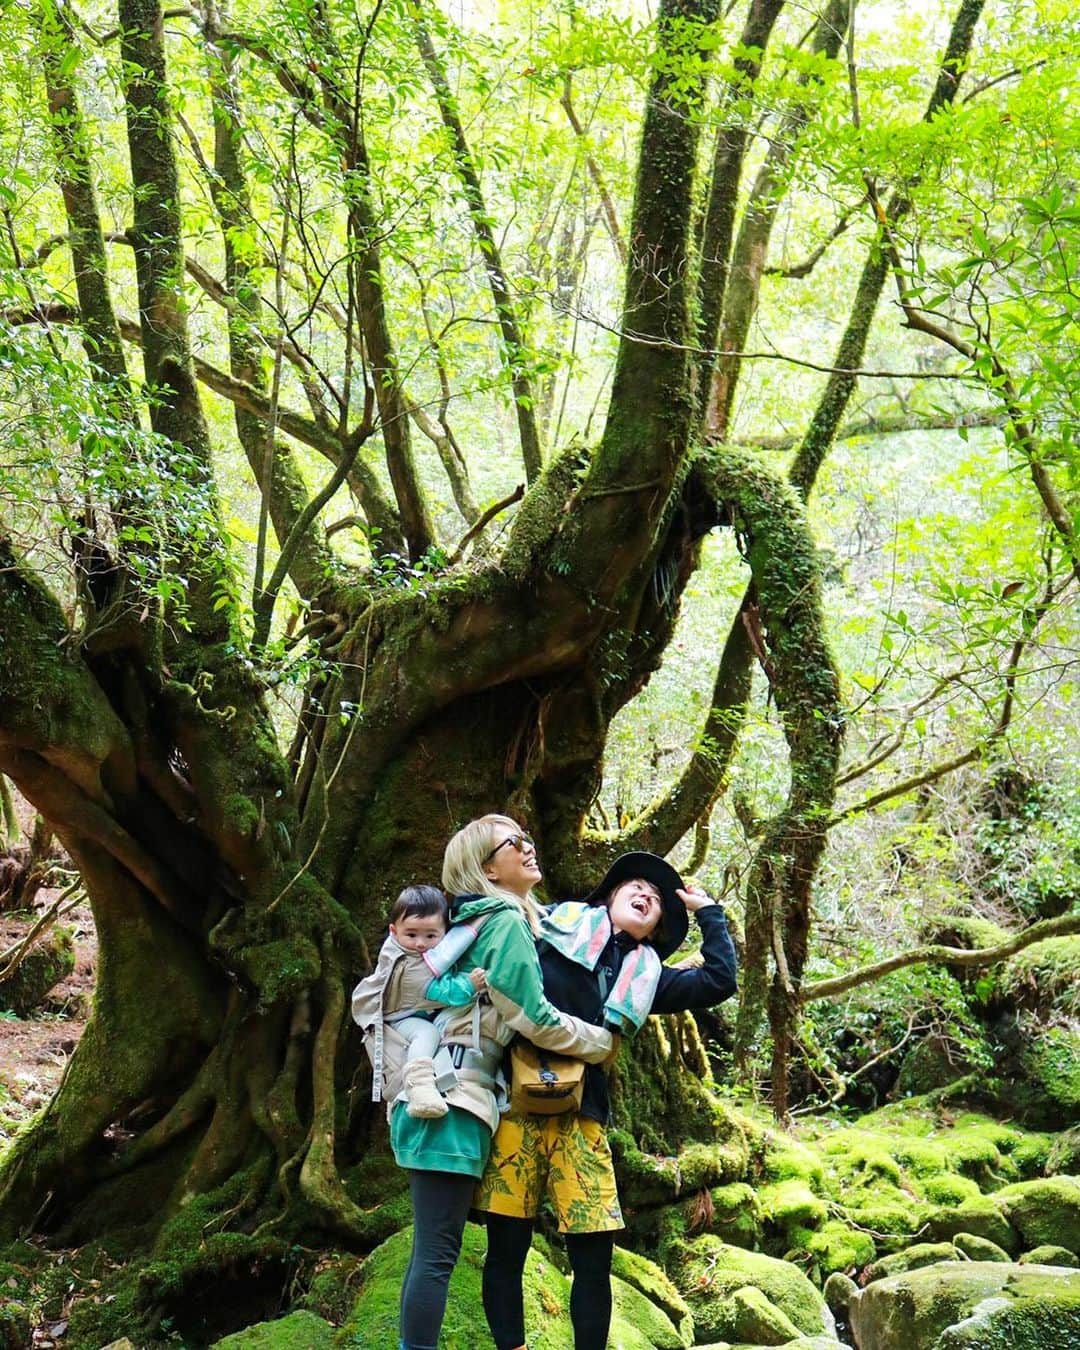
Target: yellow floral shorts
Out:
[566,1159]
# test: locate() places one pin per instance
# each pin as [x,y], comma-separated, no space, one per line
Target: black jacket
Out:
[574,989]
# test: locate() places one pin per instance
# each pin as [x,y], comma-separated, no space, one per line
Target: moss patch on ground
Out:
[297,1331]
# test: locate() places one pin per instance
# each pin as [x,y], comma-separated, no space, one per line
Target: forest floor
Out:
[35,1050]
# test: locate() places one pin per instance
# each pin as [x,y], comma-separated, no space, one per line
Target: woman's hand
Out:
[694,898]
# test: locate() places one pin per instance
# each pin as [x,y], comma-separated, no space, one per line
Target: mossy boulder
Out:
[950,1189]
[911,1258]
[1044,1211]
[649,1279]
[833,1247]
[647,1179]
[1050,1065]
[50,960]
[788,1158]
[735,1215]
[1063,1154]
[792,1204]
[638,1322]
[333,1289]
[14,1326]
[980,1305]
[710,1272]
[758,1321]
[929,1064]
[297,1331]
[977,1248]
[838,1291]
[1050,1255]
[1044,977]
[981,1216]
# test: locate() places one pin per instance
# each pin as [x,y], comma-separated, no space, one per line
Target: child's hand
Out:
[478,979]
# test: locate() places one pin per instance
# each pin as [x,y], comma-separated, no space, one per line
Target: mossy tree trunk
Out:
[237,885]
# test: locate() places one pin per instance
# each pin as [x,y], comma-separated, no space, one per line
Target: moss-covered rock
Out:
[838,1291]
[333,1290]
[647,1179]
[1050,1255]
[1050,1062]
[930,1064]
[792,1204]
[950,1189]
[1044,977]
[786,1158]
[980,1216]
[911,1258]
[834,1246]
[1044,1211]
[976,1248]
[650,1280]
[756,1320]
[709,1272]
[14,1326]
[1063,1155]
[50,960]
[735,1215]
[1041,1315]
[1036,1305]
[638,1324]
[297,1331]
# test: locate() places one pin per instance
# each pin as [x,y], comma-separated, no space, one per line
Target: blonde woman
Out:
[489,868]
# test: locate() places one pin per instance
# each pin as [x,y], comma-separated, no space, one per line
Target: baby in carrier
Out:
[403,995]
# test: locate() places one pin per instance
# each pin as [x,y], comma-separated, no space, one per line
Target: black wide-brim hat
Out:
[674,922]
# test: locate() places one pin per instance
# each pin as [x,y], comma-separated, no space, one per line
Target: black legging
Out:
[440,1205]
[504,1268]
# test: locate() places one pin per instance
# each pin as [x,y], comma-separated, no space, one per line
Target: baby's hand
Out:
[478,979]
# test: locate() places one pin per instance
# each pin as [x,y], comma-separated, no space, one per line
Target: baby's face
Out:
[416,933]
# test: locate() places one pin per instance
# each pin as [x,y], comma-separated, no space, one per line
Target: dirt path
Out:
[34,1050]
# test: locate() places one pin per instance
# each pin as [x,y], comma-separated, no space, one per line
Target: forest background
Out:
[660,424]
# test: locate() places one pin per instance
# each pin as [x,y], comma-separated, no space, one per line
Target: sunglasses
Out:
[518,841]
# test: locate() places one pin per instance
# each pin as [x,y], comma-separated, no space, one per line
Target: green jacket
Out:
[516,1002]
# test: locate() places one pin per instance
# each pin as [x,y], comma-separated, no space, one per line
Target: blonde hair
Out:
[463,866]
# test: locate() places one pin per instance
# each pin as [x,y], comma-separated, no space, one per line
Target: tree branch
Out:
[838,390]
[799,271]
[265,598]
[730,150]
[886,425]
[487,516]
[611,219]
[516,353]
[938,955]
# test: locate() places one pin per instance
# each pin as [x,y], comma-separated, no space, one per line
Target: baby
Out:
[408,986]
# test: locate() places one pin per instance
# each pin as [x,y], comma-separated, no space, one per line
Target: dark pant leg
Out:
[590,1296]
[440,1205]
[504,1269]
